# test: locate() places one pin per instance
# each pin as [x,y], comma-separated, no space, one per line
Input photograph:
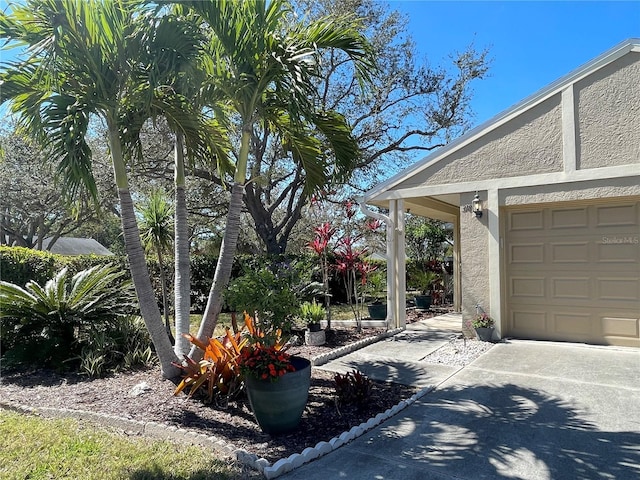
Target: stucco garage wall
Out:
[597,189]
[528,144]
[474,254]
[608,103]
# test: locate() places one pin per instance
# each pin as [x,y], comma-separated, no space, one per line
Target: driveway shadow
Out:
[507,431]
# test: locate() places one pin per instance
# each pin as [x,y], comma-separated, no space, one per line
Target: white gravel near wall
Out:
[459,352]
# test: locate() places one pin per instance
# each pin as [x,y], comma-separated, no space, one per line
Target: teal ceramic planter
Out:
[423,302]
[377,311]
[278,406]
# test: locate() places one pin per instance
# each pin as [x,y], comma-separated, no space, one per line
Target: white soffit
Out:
[629,45]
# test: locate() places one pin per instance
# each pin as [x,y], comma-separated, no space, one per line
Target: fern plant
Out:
[48,325]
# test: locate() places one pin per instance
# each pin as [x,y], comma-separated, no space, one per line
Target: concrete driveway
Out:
[523,410]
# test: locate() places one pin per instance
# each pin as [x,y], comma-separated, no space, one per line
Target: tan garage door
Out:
[573,273]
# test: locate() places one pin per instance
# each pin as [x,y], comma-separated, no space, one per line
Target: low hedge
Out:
[19,265]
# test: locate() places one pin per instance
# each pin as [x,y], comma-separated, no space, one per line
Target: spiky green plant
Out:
[50,324]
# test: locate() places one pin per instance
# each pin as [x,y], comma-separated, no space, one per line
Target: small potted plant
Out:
[375,291]
[423,280]
[483,324]
[313,313]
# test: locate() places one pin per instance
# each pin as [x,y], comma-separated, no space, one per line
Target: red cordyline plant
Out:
[320,245]
[350,263]
[349,259]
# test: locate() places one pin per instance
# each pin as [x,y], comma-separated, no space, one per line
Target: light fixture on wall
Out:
[476,206]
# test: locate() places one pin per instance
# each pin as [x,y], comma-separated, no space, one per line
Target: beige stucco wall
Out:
[474,255]
[596,189]
[608,103]
[528,144]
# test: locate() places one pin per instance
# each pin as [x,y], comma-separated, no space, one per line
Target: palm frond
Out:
[336,131]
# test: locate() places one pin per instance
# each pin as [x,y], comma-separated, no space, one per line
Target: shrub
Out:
[20,265]
[124,347]
[273,291]
[49,326]
[352,388]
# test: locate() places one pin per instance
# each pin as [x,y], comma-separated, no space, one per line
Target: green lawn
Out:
[37,448]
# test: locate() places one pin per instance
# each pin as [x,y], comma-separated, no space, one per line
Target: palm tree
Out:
[156,228]
[264,61]
[205,141]
[89,58]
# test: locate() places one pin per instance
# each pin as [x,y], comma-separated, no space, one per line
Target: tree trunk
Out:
[275,237]
[137,263]
[165,294]
[182,267]
[229,245]
[223,267]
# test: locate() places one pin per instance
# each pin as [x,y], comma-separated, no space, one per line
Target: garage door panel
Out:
[570,288]
[572,324]
[619,215]
[528,322]
[569,218]
[575,273]
[569,252]
[609,251]
[620,327]
[624,289]
[527,253]
[528,287]
[526,221]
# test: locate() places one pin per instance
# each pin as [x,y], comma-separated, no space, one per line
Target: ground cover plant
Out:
[68,449]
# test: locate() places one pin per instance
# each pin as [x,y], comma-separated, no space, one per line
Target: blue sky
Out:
[531,44]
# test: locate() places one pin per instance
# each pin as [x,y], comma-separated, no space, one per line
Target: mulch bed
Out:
[323,418]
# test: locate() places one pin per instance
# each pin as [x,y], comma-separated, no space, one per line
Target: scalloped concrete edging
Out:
[296,460]
[270,471]
[352,347]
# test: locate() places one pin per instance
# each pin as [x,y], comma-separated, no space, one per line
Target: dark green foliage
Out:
[274,287]
[202,269]
[20,265]
[49,325]
[427,239]
[352,388]
[125,345]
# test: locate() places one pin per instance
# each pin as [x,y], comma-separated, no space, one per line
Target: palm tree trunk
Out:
[223,267]
[229,244]
[182,266]
[165,296]
[137,263]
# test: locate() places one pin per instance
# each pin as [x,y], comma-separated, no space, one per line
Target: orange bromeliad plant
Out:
[225,361]
[218,370]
